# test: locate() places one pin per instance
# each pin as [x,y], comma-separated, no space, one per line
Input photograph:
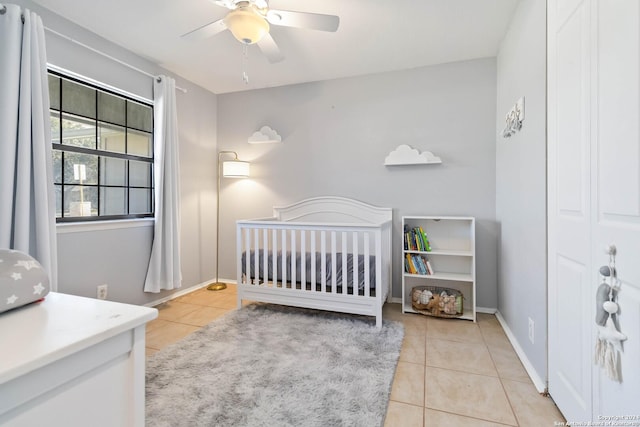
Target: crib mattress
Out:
[318,264]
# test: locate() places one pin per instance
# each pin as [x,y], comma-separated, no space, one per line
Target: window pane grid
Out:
[103,152]
[99,208]
[74,149]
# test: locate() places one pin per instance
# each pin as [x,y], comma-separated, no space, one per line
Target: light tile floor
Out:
[450,373]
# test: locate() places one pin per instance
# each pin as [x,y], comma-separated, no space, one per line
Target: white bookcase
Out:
[452,257]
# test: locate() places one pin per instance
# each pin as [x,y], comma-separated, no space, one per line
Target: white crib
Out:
[311,253]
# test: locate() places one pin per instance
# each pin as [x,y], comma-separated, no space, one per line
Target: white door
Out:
[594,198]
[568,155]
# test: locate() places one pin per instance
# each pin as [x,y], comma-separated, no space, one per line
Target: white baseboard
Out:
[539,383]
[187,290]
[396,300]
[176,294]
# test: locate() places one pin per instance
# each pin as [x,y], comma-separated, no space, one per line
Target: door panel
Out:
[571,104]
[618,109]
[569,205]
[617,203]
[572,373]
[593,198]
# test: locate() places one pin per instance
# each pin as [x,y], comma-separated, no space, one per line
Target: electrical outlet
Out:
[531,330]
[102,291]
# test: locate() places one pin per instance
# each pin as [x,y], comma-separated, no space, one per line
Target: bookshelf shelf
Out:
[450,252]
[468,314]
[442,252]
[443,276]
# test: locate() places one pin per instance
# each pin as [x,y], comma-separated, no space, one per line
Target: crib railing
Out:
[281,251]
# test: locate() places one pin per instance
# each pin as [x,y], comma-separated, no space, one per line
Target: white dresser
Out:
[73,361]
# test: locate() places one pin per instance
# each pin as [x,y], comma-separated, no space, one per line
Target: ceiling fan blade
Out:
[313,21]
[208,30]
[270,49]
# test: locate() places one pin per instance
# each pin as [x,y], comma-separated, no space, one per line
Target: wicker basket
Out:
[430,300]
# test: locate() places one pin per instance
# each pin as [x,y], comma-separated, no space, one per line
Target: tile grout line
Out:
[472,373]
[424,378]
[504,390]
[472,417]
[515,415]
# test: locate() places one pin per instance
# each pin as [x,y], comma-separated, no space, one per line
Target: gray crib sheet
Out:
[318,256]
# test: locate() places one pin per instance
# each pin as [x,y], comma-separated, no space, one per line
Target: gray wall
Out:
[521,182]
[336,135]
[120,257]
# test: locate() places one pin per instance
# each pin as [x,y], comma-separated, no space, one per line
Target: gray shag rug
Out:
[269,365]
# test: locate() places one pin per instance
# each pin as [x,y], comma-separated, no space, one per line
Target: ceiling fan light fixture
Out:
[246,25]
[274,17]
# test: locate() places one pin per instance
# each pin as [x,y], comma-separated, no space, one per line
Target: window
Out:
[102,152]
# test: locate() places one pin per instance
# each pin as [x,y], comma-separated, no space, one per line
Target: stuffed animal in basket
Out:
[444,303]
[448,303]
[421,297]
[434,305]
[425,297]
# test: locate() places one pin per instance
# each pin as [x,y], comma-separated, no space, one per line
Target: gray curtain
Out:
[27,199]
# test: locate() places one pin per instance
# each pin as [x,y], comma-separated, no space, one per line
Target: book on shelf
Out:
[415,239]
[429,268]
[409,266]
[425,241]
[417,264]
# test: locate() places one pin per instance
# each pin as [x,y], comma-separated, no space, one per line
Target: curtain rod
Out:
[3,10]
[105,55]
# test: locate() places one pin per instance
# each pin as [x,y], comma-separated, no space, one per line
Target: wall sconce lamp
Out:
[233,168]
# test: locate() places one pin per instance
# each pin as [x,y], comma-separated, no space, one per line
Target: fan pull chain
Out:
[245,60]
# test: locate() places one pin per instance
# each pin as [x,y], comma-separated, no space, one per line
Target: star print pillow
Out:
[22,280]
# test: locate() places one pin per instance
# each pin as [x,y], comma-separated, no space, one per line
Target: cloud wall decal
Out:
[265,135]
[405,155]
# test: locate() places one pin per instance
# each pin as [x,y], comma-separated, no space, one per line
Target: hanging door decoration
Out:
[609,341]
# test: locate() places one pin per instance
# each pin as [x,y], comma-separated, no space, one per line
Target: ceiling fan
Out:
[249,22]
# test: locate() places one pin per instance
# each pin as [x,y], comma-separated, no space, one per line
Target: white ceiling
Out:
[374,36]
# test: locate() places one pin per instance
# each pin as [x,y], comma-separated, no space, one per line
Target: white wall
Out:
[521,182]
[336,135]
[119,258]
